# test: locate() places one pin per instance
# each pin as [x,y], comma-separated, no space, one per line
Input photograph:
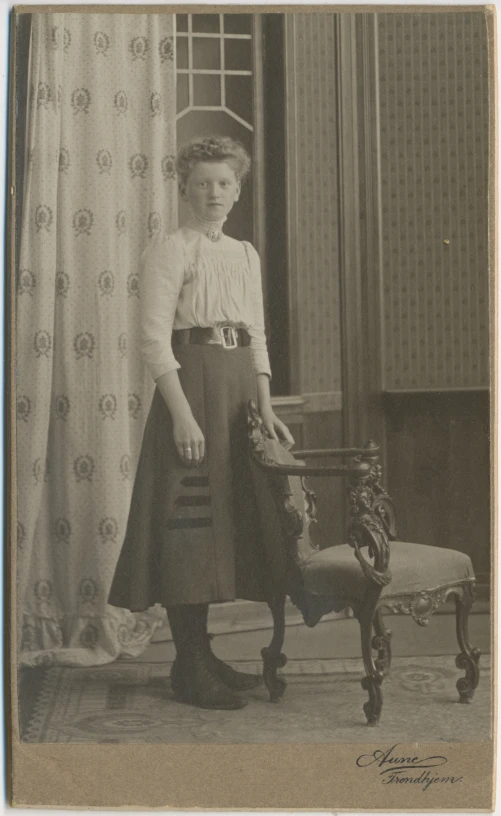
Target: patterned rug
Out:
[132,703]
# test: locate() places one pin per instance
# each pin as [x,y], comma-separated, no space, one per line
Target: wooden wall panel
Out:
[439,470]
[312,200]
[433,90]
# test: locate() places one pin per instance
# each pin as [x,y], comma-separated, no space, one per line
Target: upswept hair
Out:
[212,149]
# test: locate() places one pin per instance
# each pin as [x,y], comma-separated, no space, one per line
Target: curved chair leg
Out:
[273,657]
[382,643]
[469,655]
[374,672]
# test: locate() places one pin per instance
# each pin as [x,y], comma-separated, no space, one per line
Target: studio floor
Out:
[131,702]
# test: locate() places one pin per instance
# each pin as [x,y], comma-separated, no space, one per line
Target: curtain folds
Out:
[99,182]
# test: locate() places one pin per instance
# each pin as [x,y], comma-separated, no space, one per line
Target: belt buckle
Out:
[229,337]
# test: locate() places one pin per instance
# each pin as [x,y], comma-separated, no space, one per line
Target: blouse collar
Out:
[212,229]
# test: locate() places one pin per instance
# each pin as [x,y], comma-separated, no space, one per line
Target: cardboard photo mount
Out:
[239,776]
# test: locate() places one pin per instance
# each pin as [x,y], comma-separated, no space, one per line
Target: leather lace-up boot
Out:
[193,678]
[235,680]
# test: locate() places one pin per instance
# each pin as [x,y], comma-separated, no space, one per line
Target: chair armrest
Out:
[358,469]
[335,452]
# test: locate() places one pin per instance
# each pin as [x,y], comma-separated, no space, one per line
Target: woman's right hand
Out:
[188,437]
[189,440]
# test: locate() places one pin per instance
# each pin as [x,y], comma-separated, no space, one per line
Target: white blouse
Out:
[188,280]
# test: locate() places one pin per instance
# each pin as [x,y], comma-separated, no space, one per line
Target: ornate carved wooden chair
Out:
[355,575]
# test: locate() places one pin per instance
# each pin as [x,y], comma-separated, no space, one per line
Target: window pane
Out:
[239,96]
[237,23]
[206,89]
[182,93]
[181,22]
[206,53]
[237,55]
[206,23]
[182,52]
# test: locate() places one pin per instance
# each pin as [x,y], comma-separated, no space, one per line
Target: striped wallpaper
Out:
[312,200]
[434,162]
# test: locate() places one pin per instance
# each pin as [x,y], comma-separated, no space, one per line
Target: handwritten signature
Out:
[394,769]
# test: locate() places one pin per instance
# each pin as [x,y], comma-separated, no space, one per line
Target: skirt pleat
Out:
[193,533]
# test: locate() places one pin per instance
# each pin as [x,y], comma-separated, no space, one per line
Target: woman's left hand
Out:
[276,429]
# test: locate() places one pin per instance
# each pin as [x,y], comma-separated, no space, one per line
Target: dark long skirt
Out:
[193,533]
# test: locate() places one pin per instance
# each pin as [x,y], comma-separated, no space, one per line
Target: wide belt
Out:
[228,337]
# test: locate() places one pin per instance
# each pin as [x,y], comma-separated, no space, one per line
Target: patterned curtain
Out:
[99,182]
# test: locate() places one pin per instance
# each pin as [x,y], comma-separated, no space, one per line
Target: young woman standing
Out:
[192,536]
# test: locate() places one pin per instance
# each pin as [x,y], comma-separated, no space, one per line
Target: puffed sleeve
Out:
[259,349]
[162,274]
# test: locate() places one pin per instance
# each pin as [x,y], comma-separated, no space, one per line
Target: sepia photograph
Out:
[251,281]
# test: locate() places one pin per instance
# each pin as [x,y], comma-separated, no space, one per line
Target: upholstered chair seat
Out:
[371,572]
[414,568]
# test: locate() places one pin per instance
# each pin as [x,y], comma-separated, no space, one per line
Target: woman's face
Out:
[211,190]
